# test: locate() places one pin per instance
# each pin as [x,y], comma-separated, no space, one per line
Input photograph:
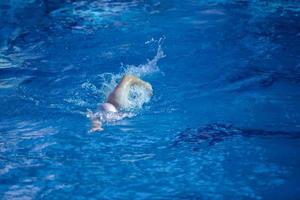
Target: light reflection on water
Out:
[226,62]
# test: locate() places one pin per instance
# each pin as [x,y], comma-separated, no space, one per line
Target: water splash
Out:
[151,66]
[110,80]
[138,96]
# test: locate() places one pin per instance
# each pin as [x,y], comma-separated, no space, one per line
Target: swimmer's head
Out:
[108,107]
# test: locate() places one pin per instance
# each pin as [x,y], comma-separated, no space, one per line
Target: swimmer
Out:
[117,100]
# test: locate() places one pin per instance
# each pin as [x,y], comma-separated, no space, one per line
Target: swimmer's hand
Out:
[96,126]
[96,123]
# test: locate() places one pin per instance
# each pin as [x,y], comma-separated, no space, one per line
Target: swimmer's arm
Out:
[119,96]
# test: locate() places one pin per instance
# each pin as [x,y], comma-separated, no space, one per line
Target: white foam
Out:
[138,96]
[151,66]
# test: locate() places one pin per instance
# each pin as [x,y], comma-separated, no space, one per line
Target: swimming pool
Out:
[223,123]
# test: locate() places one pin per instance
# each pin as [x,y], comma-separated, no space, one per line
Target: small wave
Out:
[86,16]
[212,134]
[108,117]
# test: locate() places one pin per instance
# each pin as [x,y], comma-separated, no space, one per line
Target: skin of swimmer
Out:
[108,107]
[118,99]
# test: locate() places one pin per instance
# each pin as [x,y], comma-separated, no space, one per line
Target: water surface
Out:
[224,121]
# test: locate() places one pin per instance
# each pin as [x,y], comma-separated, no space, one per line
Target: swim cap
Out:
[108,107]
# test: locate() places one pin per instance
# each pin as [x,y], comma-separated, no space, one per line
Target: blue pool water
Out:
[223,123]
